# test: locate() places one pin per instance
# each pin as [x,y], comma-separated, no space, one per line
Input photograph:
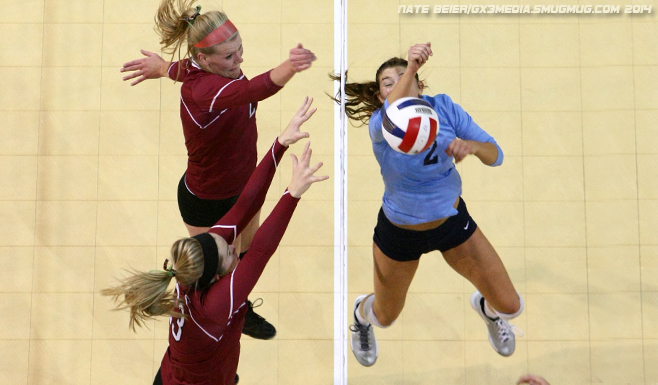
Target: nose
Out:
[238,56]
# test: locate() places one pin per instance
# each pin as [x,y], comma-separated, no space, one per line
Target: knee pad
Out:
[370,313]
[508,317]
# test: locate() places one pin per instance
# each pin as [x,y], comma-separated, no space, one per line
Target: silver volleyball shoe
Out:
[501,333]
[364,343]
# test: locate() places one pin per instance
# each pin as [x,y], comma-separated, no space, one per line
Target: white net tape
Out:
[340,196]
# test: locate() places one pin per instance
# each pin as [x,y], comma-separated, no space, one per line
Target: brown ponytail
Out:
[361,98]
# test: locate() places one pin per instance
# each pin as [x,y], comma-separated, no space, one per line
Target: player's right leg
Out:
[392,279]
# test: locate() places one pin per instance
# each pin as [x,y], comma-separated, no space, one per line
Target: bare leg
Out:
[392,281]
[249,232]
[477,261]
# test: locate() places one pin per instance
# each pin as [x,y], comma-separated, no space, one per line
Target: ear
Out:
[379,96]
[421,86]
[202,58]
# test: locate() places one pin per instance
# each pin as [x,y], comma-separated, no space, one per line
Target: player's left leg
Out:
[496,301]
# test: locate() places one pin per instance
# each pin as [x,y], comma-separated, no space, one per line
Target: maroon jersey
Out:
[204,348]
[219,124]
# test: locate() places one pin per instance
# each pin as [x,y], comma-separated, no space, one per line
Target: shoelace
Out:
[504,329]
[252,305]
[363,335]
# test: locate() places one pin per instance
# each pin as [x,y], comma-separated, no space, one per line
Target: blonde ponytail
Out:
[146,295]
[177,22]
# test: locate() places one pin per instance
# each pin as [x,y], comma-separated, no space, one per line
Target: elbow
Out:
[499,157]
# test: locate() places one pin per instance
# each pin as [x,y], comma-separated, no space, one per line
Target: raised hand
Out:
[292,134]
[460,149]
[301,58]
[150,67]
[302,174]
[418,55]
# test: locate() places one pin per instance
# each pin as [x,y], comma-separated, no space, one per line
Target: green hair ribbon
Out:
[190,21]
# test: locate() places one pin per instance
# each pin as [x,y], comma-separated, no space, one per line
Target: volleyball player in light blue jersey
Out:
[422,188]
[422,210]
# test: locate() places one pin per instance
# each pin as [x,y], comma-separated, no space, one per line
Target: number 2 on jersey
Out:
[429,159]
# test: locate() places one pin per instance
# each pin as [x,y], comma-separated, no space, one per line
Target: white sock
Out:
[359,317]
[508,317]
[370,313]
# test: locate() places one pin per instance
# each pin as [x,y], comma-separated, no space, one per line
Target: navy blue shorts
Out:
[404,245]
[199,212]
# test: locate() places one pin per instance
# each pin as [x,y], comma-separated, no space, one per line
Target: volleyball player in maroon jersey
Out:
[218,112]
[208,306]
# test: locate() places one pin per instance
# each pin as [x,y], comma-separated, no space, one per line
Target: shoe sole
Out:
[258,337]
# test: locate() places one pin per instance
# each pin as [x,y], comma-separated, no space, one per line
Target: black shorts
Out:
[158,378]
[408,245]
[199,212]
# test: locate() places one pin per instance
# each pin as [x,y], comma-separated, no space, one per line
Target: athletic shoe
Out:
[364,343]
[256,326]
[501,333]
[237,378]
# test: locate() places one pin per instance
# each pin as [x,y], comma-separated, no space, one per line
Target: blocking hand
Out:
[150,67]
[303,176]
[292,134]
[301,58]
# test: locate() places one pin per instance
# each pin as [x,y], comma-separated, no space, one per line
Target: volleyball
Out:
[410,125]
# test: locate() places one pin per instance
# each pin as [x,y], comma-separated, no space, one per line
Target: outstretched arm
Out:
[253,196]
[300,59]
[267,238]
[418,55]
[150,67]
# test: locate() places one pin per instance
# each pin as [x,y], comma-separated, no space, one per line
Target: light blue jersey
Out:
[423,188]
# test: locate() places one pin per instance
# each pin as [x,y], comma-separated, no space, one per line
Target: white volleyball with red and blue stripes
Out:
[410,125]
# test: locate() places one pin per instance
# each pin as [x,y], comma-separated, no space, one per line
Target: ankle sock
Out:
[370,313]
[359,317]
[508,317]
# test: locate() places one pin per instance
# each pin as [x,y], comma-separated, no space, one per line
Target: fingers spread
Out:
[133,75]
[138,81]
[310,113]
[316,167]
[131,63]
[306,154]
[304,105]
